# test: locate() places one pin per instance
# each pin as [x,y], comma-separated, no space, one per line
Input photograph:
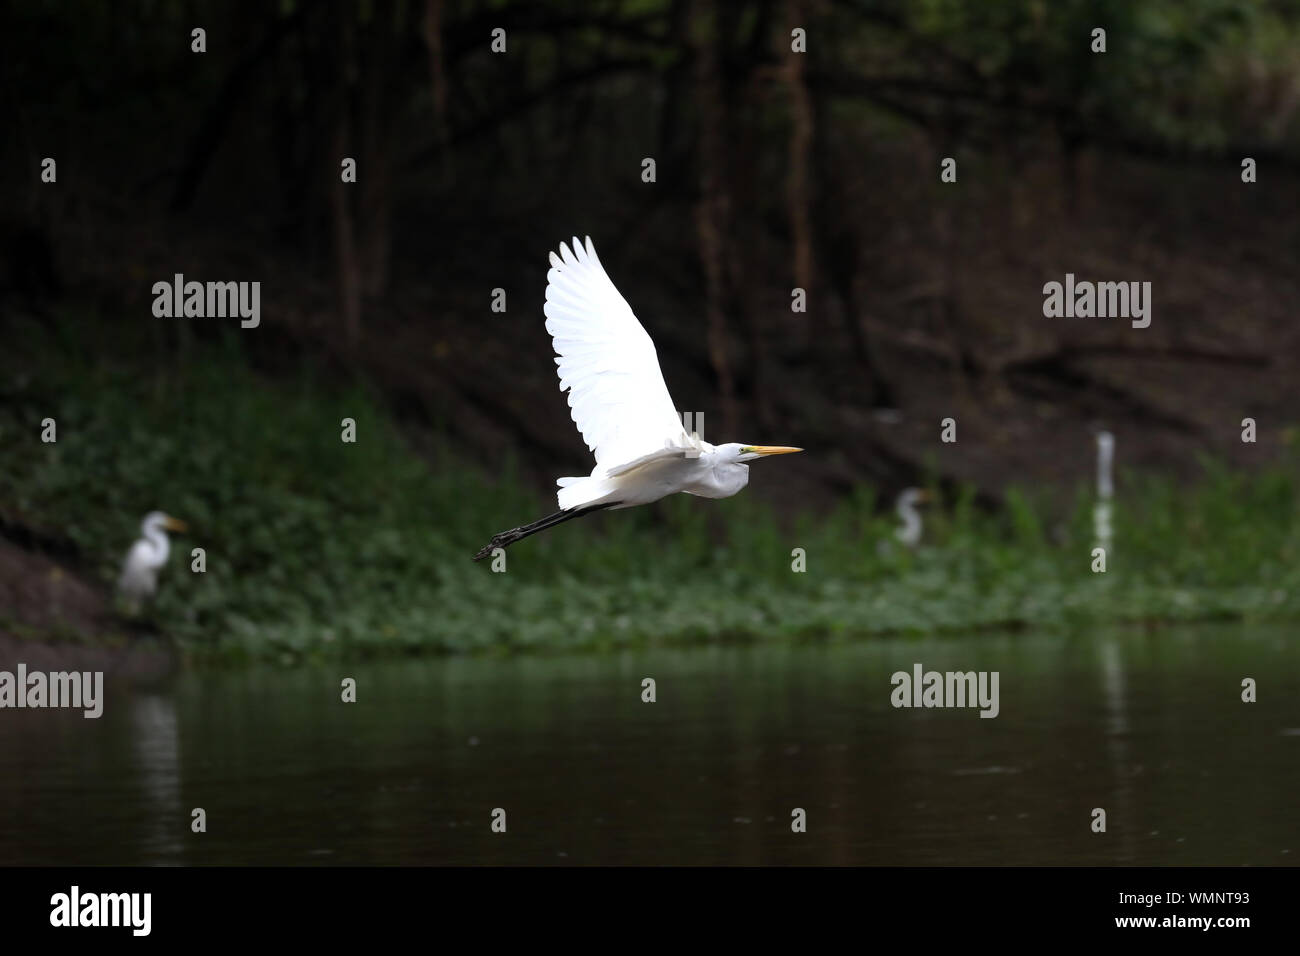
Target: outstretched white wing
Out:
[608,364]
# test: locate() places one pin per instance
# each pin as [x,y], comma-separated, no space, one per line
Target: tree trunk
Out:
[712,211]
[345,247]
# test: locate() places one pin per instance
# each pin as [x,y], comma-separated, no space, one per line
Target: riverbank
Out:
[314,547]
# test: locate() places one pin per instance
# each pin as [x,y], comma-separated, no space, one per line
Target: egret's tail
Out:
[580,492]
[506,538]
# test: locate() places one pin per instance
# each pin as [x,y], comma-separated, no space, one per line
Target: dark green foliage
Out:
[316,548]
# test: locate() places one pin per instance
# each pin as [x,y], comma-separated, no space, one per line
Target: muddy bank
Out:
[53,618]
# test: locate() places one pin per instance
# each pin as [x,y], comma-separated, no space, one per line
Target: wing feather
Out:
[607,363]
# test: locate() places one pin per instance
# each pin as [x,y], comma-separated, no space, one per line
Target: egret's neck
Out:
[157,539]
[910,532]
[719,475]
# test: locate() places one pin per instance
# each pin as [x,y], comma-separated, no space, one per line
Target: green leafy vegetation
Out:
[316,548]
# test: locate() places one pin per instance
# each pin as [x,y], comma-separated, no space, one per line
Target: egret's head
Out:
[911,497]
[162,521]
[732,451]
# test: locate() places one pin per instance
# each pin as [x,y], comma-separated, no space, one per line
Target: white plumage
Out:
[909,532]
[618,399]
[138,581]
[1101,512]
[608,364]
[910,529]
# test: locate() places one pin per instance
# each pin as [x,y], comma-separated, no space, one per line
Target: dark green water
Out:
[1150,727]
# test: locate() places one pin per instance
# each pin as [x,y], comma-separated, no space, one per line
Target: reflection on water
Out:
[158,760]
[1112,677]
[1150,727]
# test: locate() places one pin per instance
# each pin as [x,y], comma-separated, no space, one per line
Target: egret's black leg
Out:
[506,538]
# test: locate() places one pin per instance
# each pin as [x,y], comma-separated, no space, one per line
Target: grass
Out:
[320,549]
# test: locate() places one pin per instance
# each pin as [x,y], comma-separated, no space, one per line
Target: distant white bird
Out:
[1101,523]
[909,533]
[1105,462]
[139,579]
[621,405]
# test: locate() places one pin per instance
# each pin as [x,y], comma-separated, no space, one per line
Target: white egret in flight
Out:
[621,405]
[139,578]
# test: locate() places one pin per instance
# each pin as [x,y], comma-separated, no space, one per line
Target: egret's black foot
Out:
[507,538]
[503,539]
[498,541]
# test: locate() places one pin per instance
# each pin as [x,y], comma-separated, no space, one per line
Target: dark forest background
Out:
[774,170]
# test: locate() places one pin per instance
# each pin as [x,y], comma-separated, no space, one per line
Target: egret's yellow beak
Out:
[175,524]
[771,450]
[923,497]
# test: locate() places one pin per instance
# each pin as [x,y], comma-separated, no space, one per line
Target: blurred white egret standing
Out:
[139,579]
[909,532]
[621,405]
[1105,489]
